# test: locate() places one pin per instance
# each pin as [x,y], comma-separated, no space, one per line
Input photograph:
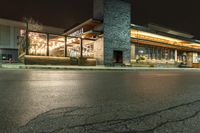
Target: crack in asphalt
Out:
[110,125]
[167,122]
[143,117]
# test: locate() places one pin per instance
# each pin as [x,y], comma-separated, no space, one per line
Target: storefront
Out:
[156,47]
[110,39]
[49,48]
[145,47]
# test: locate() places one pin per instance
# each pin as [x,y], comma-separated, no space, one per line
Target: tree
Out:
[32,24]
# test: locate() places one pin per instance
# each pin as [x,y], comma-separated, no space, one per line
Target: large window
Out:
[37,44]
[73,47]
[56,46]
[41,44]
[88,48]
[148,53]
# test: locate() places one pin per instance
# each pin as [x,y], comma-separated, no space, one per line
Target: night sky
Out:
[182,15]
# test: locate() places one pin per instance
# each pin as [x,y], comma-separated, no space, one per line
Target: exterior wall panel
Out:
[4,36]
[98,50]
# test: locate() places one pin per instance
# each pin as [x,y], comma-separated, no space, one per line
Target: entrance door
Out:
[118,57]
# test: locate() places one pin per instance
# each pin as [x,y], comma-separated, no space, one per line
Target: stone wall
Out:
[98,7]
[117,21]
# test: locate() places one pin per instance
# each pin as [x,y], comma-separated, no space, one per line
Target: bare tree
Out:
[32,24]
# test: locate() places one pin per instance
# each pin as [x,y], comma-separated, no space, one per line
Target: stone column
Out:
[117,22]
[98,9]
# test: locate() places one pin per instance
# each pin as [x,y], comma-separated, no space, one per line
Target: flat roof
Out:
[169,31]
[88,25]
[153,31]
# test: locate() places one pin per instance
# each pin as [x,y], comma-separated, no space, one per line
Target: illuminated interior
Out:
[56,46]
[74,47]
[37,44]
[145,46]
[163,39]
[149,47]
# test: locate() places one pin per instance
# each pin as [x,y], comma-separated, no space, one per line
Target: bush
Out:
[141,58]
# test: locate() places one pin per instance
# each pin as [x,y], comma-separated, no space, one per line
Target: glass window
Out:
[73,47]
[37,44]
[56,46]
[172,54]
[159,53]
[9,56]
[163,53]
[88,48]
[151,52]
[154,52]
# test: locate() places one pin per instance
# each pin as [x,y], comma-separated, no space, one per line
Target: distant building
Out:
[9,36]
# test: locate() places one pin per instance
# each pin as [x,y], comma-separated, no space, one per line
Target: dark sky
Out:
[182,15]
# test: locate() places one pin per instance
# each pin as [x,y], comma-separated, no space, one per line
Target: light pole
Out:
[27,40]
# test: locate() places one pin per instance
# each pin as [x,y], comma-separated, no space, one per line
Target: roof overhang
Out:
[86,26]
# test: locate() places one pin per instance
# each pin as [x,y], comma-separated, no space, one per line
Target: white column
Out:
[176,54]
[99,51]
[133,51]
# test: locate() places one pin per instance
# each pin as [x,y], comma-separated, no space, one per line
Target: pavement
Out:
[49,101]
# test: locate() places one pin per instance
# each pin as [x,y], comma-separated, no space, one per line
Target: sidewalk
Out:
[58,67]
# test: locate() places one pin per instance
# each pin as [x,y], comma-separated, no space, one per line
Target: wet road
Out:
[24,94]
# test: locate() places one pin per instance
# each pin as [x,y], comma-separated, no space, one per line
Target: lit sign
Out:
[77,33]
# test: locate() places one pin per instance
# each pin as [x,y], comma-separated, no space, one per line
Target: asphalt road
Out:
[81,101]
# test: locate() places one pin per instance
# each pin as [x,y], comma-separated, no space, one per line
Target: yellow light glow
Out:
[136,32]
[163,39]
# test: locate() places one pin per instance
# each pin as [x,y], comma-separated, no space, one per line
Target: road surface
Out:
[99,101]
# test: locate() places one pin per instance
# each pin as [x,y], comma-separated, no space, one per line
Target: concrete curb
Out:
[107,68]
[97,68]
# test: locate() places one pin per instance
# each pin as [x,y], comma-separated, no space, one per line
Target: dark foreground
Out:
[35,101]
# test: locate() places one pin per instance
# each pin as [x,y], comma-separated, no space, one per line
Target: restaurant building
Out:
[110,39]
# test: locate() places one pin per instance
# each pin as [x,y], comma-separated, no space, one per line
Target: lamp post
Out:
[27,40]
